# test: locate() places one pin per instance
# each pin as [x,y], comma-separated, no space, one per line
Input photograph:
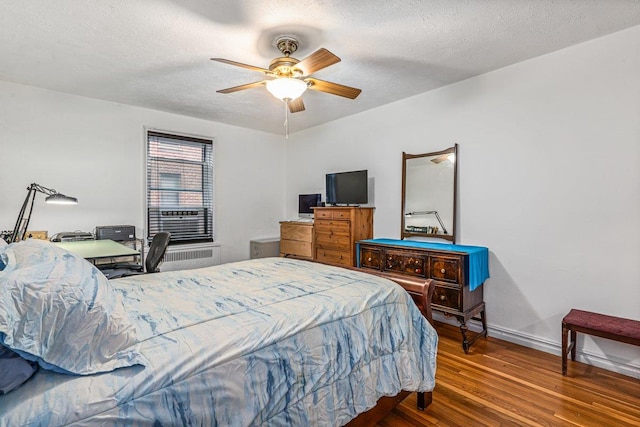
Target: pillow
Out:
[14,370]
[60,311]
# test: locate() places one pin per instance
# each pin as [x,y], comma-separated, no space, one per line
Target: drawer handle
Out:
[443,271]
[369,259]
[442,297]
[340,256]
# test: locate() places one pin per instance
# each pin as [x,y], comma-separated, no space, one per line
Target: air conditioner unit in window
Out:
[180,220]
[183,223]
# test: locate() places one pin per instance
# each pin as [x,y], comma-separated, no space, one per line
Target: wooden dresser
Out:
[458,272]
[336,229]
[296,239]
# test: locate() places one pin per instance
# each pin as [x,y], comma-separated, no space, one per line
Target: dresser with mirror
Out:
[427,248]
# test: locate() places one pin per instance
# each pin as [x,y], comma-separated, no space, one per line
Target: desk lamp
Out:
[53,197]
[410,214]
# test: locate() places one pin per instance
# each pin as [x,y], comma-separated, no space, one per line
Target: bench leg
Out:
[565,339]
[567,346]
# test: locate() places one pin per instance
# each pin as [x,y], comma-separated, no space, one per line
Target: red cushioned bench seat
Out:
[599,325]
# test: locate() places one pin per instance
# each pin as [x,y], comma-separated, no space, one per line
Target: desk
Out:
[93,250]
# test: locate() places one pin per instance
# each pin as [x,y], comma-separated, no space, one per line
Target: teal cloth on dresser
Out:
[478,256]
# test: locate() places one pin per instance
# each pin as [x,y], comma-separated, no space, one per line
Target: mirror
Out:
[429,183]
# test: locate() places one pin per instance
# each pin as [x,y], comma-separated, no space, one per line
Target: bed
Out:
[266,342]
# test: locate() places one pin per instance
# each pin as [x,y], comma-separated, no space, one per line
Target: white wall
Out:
[94,150]
[549,177]
[549,181]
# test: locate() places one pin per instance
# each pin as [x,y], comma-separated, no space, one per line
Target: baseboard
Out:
[610,363]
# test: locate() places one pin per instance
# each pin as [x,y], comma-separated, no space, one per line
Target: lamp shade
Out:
[61,199]
[286,88]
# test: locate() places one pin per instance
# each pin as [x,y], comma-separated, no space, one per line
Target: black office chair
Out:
[157,249]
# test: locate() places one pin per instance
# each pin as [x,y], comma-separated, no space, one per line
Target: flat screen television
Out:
[347,188]
[306,202]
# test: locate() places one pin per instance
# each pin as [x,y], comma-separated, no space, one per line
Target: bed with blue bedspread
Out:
[266,342]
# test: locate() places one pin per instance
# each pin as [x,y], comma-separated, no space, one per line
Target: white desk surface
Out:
[95,249]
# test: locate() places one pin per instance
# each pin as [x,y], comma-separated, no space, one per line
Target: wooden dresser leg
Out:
[463,331]
[467,341]
[483,318]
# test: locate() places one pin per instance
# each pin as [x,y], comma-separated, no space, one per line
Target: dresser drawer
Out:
[296,232]
[340,243]
[371,258]
[406,263]
[296,248]
[332,214]
[329,256]
[328,226]
[324,213]
[447,297]
[445,269]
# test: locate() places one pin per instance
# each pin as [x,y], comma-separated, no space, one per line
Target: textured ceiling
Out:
[155,53]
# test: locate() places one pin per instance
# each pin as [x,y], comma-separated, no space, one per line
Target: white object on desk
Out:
[302,220]
[97,249]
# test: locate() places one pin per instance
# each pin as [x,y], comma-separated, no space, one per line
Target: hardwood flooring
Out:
[504,384]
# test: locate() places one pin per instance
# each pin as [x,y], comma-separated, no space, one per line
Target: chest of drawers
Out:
[296,239]
[458,286]
[335,231]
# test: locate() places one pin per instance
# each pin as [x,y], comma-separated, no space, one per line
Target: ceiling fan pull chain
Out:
[286,119]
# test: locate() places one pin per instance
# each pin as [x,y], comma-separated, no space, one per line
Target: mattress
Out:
[265,342]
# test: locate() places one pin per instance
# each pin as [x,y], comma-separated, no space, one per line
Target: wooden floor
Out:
[504,384]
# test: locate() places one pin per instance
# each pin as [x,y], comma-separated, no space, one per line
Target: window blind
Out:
[180,187]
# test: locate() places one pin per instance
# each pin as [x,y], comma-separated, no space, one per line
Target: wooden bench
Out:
[599,325]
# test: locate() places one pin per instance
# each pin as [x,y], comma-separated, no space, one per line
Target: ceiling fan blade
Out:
[240,64]
[333,88]
[242,87]
[296,105]
[318,60]
[441,158]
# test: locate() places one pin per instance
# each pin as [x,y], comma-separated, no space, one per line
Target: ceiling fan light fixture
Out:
[286,88]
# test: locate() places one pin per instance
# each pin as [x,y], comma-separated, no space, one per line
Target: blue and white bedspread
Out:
[267,342]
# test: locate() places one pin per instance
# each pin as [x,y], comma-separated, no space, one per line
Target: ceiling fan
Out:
[442,157]
[290,77]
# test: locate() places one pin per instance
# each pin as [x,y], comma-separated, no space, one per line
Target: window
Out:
[180,187]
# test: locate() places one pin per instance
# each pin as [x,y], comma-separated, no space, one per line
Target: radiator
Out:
[185,257]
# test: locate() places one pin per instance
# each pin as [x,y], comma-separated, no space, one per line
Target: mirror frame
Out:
[450,237]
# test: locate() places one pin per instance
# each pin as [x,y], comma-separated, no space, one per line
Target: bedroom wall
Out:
[549,181]
[94,150]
